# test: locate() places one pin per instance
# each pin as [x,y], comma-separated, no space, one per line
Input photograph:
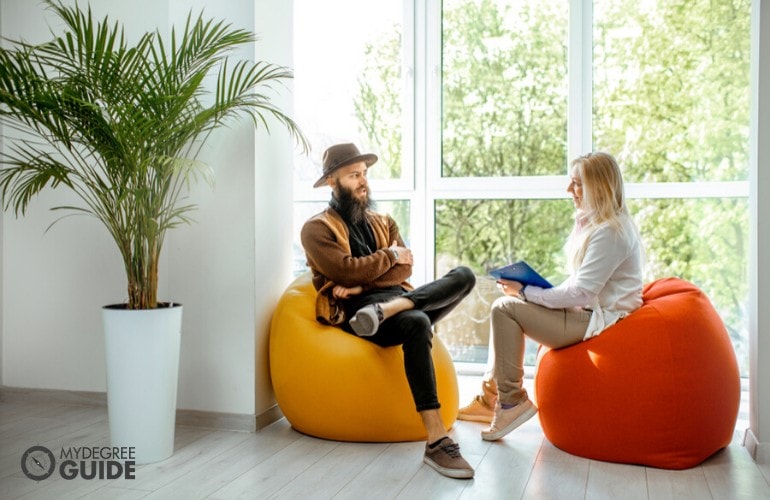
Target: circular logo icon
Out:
[38,463]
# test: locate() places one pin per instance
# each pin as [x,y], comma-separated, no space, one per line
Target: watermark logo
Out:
[38,463]
[95,462]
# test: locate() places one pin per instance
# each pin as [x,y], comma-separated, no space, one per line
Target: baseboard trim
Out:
[24,395]
[216,420]
[267,417]
[760,452]
[190,418]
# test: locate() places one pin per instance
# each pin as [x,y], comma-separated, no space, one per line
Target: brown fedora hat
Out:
[341,155]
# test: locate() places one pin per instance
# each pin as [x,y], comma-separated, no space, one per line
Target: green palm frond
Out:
[121,125]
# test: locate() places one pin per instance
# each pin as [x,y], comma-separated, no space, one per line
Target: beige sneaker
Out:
[477,411]
[507,420]
[446,459]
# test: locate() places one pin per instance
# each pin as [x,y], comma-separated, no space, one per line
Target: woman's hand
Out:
[509,287]
[343,292]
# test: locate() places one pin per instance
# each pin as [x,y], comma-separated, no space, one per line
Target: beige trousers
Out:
[510,320]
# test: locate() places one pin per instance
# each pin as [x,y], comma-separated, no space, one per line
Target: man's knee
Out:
[464,275]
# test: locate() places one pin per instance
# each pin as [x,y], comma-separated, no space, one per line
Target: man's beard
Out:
[351,208]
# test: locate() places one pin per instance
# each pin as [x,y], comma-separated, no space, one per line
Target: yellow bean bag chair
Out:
[334,385]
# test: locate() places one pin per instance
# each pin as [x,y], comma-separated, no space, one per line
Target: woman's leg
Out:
[511,319]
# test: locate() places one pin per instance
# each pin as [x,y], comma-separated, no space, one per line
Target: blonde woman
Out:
[605,285]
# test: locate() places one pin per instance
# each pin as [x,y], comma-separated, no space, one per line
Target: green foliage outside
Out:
[670,101]
[378,104]
[504,92]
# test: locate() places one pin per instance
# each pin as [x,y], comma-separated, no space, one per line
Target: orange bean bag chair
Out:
[334,385]
[660,388]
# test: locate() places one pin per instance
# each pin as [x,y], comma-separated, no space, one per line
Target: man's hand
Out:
[343,292]
[404,254]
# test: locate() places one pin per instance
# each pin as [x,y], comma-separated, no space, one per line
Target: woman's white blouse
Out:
[609,280]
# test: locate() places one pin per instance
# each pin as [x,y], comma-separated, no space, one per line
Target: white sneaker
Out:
[367,320]
[505,421]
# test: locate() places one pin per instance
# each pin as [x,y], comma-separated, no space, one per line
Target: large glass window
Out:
[671,88]
[485,234]
[476,108]
[705,241]
[504,88]
[342,93]
[671,100]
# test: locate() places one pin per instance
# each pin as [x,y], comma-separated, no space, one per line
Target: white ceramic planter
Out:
[142,354]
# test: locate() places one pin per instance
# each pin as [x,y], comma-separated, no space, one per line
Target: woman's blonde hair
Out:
[603,202]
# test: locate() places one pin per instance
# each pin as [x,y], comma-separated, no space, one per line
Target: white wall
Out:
[227,279]
[56,281]
[758,434]
[273,180]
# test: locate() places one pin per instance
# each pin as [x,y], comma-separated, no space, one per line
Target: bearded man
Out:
[360,268]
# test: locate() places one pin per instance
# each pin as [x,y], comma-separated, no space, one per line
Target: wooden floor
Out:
[278,462]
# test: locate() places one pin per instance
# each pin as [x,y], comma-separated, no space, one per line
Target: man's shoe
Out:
[477,410]
[445,457]
[507,420]
[367,320]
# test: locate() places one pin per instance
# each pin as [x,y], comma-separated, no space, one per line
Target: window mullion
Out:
[427,129]
[580,75]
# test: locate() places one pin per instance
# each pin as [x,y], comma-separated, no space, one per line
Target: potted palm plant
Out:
[120,126]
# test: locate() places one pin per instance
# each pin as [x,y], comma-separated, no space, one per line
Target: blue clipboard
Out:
[522,272]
